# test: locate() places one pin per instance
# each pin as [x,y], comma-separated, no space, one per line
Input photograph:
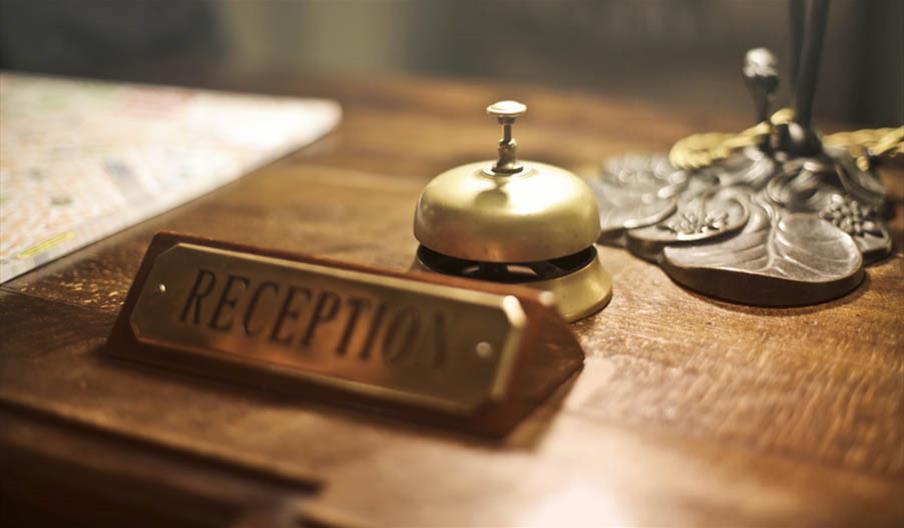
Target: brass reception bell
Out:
[516,222]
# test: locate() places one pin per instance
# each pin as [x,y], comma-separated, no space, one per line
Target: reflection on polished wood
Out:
[688,411]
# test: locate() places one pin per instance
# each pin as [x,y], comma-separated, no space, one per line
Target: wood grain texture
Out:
[689,411]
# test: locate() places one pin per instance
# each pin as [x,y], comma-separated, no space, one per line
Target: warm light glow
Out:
[578,505]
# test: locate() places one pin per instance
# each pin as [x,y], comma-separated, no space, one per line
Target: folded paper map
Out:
[80,160]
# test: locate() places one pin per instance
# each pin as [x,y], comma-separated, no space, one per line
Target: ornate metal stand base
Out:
[775,215]
[751,229]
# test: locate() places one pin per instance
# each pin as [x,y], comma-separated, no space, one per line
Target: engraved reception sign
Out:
[420,342]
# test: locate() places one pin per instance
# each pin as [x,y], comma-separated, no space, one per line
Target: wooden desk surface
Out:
[689,411]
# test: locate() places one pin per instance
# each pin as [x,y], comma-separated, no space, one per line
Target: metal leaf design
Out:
[860,221]
[751,169]
[781,259]
[636,191]
[752,228]
[697,218]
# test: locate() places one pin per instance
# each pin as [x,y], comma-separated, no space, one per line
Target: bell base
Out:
[580,291]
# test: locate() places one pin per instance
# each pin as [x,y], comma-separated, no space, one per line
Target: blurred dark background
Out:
[677,52]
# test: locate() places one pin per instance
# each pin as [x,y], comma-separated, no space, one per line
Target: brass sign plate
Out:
[391,338]
[417,344]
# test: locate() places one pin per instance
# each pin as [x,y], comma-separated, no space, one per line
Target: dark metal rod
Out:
[809,63]
[796,17]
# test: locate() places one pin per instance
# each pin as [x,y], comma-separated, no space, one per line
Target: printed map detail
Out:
[80,160]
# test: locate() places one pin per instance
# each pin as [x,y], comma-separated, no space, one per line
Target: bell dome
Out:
[541,212]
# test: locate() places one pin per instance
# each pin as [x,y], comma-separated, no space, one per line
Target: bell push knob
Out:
[506,112]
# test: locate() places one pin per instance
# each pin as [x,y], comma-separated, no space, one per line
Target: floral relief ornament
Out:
[776,215]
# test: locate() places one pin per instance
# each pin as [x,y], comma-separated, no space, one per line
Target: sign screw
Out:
[484,350]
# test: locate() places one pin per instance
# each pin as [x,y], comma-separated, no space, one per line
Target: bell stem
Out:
[506,112]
